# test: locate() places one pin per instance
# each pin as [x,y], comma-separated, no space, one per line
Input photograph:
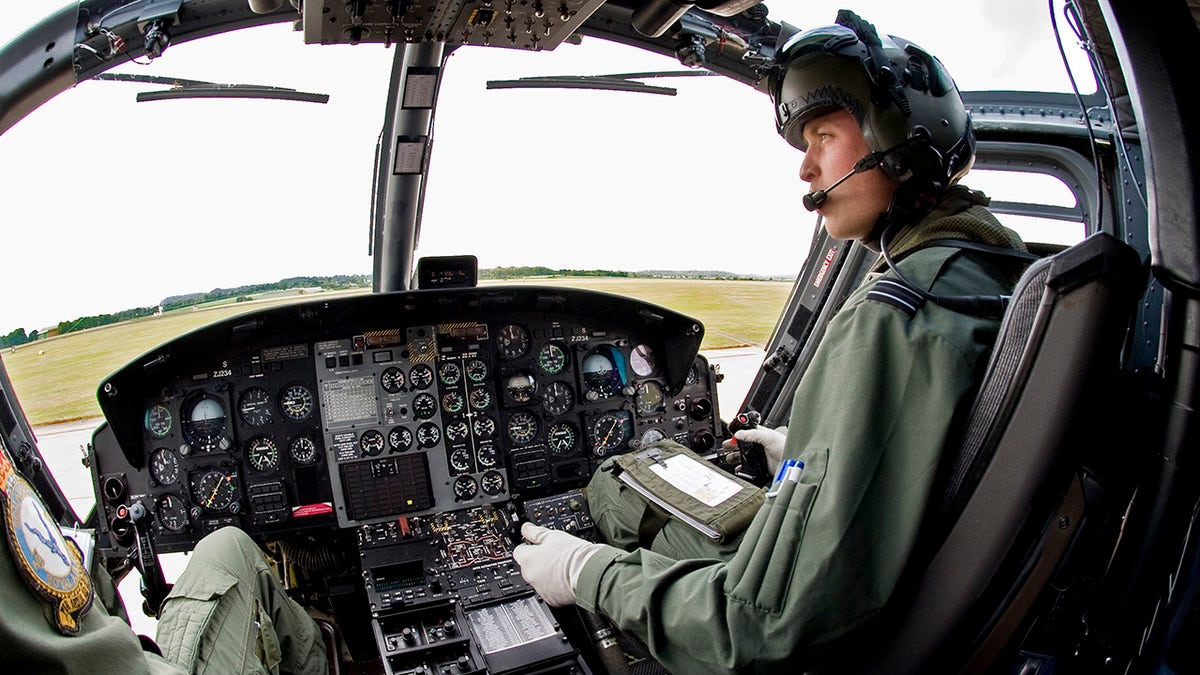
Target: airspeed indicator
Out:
[552,358]
[158,420]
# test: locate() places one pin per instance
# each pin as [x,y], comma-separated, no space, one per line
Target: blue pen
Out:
[789,471]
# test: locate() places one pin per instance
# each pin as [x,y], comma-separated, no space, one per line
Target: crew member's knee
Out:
[230,548]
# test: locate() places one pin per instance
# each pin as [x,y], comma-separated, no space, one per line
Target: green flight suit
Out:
[870,420]
[226,614]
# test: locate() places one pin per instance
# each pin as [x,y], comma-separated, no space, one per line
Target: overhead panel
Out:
[518,24]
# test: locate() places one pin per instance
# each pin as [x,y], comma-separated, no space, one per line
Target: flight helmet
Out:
[905,102]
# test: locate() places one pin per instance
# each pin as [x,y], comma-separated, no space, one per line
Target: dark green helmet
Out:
[903,99]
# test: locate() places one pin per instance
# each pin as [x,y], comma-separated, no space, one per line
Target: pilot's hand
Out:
[551,561]
[772,441]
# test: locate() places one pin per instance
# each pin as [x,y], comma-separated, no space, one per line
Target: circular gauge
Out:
[512,341]
[303,450]
[477,370]
[392,379]
[693,375]
[520,387]
[255,406]
[481,399]
[399,439]
[204,424]
[460,460]
[465,487]
[522,427]
[651,436]
[371,442]
[557,398]
[171,513]
[484,427]
[449,373]
[487,454]
[428,435]
[552,358]
[610,432]
[649,398]
[262,453]
[424,406]
[456,431]
[421,376]
[158,421]
[452,402]
[492,483]
[562,437]
[642,360]
[296,402]
[164,466]
[216,491]
[603,372]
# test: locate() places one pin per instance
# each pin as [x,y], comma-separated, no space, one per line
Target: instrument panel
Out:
[354,411]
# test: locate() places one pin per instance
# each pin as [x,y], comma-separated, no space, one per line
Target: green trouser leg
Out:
[617,511]
[228,613]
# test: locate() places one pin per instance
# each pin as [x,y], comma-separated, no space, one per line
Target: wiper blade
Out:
[613,82]
[183,88]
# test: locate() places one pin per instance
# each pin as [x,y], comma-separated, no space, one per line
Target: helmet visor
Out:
[796,55]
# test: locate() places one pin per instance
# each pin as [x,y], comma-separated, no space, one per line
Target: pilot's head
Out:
[898,96]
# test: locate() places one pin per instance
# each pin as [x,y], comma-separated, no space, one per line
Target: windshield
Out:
[115,205]
[187,178]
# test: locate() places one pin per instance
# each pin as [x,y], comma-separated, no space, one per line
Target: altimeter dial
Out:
[296,402]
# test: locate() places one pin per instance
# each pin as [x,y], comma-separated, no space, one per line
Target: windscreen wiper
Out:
[613,82]
[182,88]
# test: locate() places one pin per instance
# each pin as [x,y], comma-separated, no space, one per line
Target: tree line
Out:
[330,283]
[176,302]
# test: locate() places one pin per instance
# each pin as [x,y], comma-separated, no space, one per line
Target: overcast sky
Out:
[108,204]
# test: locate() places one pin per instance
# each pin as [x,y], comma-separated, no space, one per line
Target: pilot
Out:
[227,613]
[886,139]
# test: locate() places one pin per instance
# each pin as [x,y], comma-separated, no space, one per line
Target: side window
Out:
[1017,193]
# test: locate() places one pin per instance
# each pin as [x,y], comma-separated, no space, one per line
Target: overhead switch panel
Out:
[518,24]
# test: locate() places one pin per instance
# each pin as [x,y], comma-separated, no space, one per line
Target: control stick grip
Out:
[754,456]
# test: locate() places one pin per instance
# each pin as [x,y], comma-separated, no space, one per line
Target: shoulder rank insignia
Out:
[51,565]
[897,295]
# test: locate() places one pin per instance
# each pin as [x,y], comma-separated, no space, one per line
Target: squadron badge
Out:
[51,565]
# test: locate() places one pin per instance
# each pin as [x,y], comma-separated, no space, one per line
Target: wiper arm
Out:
[613,82]
[183,88]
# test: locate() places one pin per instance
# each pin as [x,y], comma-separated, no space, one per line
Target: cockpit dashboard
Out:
[422,425]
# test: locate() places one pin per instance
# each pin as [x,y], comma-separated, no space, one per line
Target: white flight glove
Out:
[551,561]
[772,441]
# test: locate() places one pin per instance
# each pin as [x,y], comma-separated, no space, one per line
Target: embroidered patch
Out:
[51,566]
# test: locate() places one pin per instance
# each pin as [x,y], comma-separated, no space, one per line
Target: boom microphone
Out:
[813,200]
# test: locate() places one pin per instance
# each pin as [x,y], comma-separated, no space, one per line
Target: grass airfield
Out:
[56,378]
